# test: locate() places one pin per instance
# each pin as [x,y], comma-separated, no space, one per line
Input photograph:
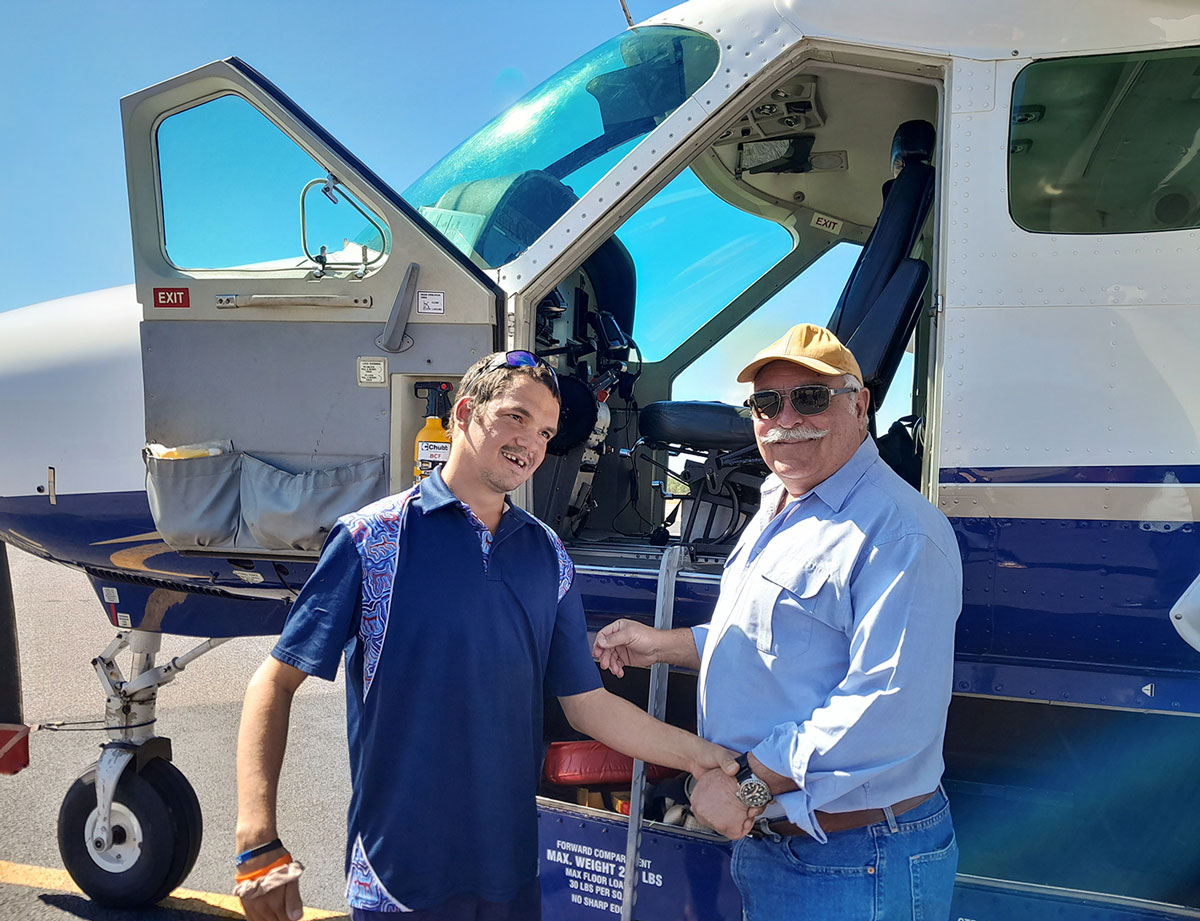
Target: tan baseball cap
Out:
[812,346]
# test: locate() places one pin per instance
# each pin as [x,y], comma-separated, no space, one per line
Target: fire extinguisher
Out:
[433,441]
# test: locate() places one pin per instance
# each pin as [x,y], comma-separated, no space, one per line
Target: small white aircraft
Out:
[1008,193]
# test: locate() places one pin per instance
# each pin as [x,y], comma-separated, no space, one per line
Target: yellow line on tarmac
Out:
[204,903]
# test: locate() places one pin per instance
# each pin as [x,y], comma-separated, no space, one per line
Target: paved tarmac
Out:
[61,627]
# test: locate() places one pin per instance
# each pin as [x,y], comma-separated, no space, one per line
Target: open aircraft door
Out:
[291,300]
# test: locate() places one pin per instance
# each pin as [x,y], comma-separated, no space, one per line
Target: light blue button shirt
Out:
[831,649]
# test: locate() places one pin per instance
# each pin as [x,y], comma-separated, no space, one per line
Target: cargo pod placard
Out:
[681,874]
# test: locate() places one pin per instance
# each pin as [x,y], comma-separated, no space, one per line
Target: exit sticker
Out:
[171,297]
[827,223]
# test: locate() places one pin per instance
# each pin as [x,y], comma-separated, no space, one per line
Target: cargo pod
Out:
[291,302]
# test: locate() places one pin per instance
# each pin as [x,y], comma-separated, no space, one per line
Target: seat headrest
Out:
[702,426]
[913,140]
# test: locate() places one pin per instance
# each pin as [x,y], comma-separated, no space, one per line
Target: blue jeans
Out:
[875,873]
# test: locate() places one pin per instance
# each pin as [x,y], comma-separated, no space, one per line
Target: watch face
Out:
[754,792]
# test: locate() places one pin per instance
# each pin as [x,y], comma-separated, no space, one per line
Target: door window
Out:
[236,191]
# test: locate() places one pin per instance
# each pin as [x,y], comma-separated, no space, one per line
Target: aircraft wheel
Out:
[156,836]
[182,801]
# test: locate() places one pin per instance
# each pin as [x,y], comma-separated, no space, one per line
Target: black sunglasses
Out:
[809,400]
[519,358]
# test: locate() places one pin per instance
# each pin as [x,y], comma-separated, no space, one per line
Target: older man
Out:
[828,659]
[455,612]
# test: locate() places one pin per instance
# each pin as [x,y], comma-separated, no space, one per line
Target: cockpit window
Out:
[694,253]
[499,190]
[1107,143]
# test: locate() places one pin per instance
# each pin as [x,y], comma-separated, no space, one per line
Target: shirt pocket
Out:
[801,597]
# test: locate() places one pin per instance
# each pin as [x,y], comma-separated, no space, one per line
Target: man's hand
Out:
[623,643]
[281,904]
[711,756]
[716,804]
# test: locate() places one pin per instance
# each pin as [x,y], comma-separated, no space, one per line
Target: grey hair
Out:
[849,380]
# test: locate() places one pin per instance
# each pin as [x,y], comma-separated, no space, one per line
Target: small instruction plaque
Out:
[431,302]
[372,372]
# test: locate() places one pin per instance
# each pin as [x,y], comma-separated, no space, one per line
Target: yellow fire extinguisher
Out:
[433,441]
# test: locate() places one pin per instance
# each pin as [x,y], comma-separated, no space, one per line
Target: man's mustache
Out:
[789,436]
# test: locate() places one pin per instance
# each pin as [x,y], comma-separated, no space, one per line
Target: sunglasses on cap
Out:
[809,400]
[519,358]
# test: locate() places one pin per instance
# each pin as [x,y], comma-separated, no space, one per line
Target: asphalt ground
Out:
[61,626]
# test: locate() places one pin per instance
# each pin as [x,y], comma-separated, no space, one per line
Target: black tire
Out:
[185,808]
[156,831]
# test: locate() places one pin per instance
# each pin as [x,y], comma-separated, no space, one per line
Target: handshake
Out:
[717,798]
[716,803]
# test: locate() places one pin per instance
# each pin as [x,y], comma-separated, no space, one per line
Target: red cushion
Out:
[587,763]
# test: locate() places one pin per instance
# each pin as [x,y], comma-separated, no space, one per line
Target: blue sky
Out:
[400,83]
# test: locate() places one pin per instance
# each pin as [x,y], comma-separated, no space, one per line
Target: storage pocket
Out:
[194,500]
[295,511]
[932,876]
[798,602]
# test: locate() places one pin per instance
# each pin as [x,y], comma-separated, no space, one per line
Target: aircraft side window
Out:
[237,191]
[1107,143]
[805,299]
[694,254]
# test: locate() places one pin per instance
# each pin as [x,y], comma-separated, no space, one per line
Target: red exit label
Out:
[171,297]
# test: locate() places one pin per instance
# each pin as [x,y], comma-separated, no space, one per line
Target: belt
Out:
[839,821]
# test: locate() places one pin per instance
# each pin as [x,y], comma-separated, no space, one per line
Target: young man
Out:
[456,612]
[828,661]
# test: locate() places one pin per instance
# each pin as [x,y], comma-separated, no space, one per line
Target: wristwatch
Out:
[752,789]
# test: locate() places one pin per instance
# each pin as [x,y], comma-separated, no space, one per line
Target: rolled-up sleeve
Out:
[890,707]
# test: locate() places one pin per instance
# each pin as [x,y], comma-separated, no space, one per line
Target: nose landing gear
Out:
[129,828]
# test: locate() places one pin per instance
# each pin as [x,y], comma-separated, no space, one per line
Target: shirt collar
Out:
[434,491]
[436,494]
[836,487]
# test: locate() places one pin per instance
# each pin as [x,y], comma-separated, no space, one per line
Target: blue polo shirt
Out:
[451,638]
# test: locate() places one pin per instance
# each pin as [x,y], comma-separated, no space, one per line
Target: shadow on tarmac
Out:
[76,906]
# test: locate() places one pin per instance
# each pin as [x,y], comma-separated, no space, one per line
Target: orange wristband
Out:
[281,862]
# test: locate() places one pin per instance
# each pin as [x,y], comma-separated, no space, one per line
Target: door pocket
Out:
[195,501]
[236,502]
[295,511]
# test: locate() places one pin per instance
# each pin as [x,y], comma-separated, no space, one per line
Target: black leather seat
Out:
[877,311]
[700,426]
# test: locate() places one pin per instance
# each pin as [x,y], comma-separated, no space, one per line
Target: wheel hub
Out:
[126,845]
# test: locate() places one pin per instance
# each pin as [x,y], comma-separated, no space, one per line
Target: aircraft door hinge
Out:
[329,187]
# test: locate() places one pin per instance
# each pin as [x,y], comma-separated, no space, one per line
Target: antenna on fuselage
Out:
[628,18]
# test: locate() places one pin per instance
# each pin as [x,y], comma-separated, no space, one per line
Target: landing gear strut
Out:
[130,826]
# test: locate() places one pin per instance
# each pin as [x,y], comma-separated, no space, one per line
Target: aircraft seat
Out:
[877,311]
[697,425]
[723,488]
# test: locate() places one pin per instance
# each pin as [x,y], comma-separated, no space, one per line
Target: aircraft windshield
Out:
[499,190]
